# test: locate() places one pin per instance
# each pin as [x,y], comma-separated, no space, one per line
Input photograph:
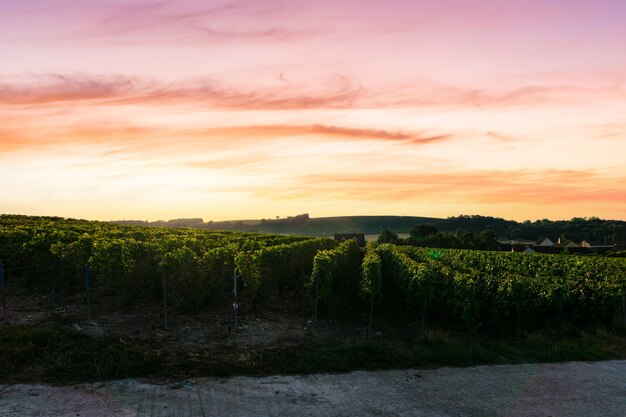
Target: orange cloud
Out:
[501,137]
[432,94]
[24,134]
[523,187]
[24,137]
[254,132]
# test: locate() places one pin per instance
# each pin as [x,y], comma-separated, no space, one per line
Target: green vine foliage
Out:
[481,291]
[335,273]
[492,290]
[127,263]
[280,266]
[406,282]
[371,275]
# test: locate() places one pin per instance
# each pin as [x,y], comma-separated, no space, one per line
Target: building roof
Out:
[359,238]
[566,243]
[544,242]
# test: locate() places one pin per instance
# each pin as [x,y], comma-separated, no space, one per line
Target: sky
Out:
[254,109]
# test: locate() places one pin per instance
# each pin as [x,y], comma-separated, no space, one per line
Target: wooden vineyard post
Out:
[369,328]
[623,305]
[518,320]
[235,304]
[3,294]
[423,325]
[560,311]
[87,295]
[317,298]
[164,301]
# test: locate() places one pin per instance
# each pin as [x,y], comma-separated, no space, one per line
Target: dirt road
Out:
[570,389]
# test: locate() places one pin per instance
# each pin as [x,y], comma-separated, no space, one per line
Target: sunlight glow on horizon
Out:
[146,110]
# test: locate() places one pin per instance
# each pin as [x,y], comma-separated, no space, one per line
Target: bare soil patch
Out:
[270,325]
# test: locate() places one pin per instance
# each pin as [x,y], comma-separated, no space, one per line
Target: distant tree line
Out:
[193,223]
[461,231]
[297,220]
[234,225]
[577,229]
[429,236]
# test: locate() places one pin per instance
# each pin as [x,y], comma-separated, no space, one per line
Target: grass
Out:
[36,353]
[44,354]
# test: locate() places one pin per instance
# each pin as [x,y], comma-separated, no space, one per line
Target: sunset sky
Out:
[238,110]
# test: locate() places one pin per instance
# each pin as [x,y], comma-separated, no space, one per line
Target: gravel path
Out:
[570,389]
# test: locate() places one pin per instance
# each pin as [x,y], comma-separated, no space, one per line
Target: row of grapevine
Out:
[335,275]
[371,274]
[426,290]
[477,299]
[370,282]
[280,266]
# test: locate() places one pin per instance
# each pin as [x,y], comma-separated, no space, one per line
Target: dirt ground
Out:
[548,390]
[271,325]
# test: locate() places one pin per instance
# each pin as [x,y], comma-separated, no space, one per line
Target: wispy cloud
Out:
[256,132]
[612,131]
[331,92]
[185,23]
[63,88]
[17,135]
[501,137]
[522,187]
[31,135]
[334,92]
[432,94]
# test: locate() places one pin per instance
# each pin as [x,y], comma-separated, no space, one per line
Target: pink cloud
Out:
[161,23]
[337,91]
[334,92]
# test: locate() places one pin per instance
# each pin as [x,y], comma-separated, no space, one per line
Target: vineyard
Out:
[130,264]
[501,291]
[469,291]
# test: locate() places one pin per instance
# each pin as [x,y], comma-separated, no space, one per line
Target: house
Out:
[544,242]
[596,245]
[359,238]
[522,249]
[566,243]
[521,242]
